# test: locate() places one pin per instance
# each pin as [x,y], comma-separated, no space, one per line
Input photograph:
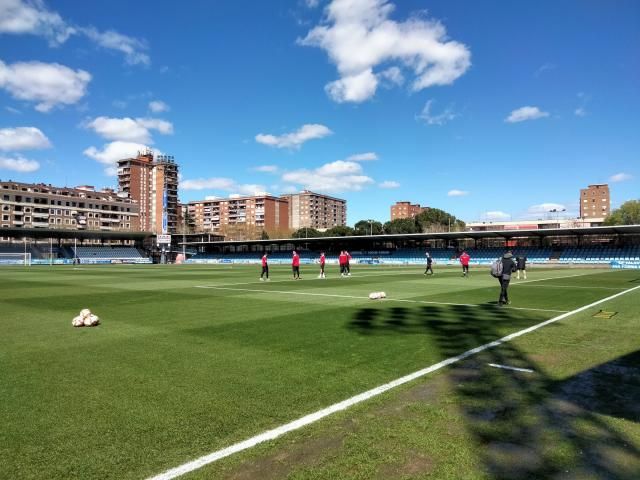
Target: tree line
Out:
[430,221]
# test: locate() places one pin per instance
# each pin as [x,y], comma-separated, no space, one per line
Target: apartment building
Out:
[405,210]
[153,183]
[36,205]
[263,212]
[314,210]
[595,201]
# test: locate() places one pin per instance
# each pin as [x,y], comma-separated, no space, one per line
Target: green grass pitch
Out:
[176,371]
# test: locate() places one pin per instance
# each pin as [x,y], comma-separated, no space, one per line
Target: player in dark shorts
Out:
[521,262]
[429,262]
[265,268]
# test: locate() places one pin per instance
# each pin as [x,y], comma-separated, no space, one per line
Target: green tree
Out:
[305,232]
[339,231]
[401,225]
[264,236]
[436,220]
[364,227]
[627,214]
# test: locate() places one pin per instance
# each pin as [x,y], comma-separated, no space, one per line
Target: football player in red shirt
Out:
[342,260]
[295,265]
[322,262]
[265,268]
[464,260]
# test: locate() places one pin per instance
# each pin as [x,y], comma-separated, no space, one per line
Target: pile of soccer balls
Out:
[85,319]
[377,295]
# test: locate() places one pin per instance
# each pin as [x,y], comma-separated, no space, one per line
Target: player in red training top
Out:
[322,262]
[342,260]
[295,265]
[265,268]
[464,261]
[347,263]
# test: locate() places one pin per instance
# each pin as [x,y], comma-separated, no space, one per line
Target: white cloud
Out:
[12,110]
[129,129]
[223,184]
[620,177]
[294,139]
[338,176]
[525,113]
[114,151]
[23,138]
[362,157]
[266,169]
[436,119]
[389,184]
[49,84]
[32,17]
[18,17]
[392,76]
[132,48]
[312,3]
[546,208]
[358,36]
[353,88]
[457,193]
[158,106]
[18,164]
[496,215]
[580,112]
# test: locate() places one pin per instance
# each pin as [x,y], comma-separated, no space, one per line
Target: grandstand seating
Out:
[568,255]
[108,253]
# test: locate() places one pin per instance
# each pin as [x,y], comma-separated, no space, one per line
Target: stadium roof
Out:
[79,234]
[507,234]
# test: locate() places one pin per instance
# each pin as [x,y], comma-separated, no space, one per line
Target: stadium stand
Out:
[110,254]
[546,255]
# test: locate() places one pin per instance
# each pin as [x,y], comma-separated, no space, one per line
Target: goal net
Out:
[15,259]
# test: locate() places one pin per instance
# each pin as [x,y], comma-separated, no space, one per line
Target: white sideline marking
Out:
[289,292]
[572,286]
[507,367]
[343,405]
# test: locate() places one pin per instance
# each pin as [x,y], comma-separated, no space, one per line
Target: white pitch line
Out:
[571,286]
[427,302]
[507,367]
[289,292]
[349,402]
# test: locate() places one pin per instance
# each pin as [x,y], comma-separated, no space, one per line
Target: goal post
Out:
[15,259]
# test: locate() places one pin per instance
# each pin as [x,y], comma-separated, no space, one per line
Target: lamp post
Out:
[370,227]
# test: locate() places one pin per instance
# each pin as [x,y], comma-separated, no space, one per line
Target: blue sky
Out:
[485,109]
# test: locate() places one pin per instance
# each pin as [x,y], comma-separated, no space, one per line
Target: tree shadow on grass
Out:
[527,425]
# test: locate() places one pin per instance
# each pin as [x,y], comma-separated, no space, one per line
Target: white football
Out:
[383,295]
[84,313]
[77,322]
[87,321]
[94,320]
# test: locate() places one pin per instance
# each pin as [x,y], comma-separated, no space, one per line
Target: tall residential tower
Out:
[153,183]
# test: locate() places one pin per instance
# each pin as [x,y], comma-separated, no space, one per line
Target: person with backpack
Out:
[502,270]
[464,261]
[521,261]
[429,262]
